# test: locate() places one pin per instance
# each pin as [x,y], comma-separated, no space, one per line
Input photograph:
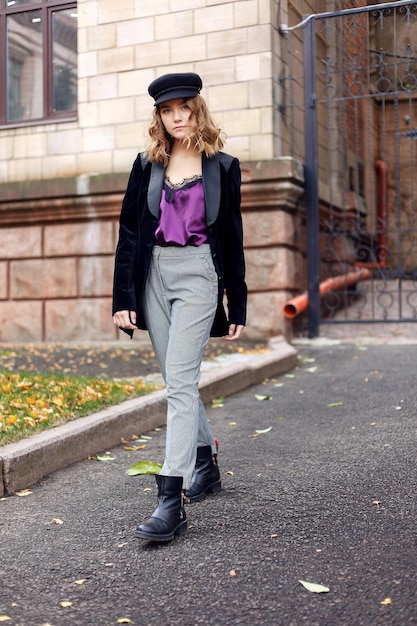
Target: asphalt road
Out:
[328,496]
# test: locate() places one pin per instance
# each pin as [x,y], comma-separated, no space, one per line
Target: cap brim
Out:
[173,94]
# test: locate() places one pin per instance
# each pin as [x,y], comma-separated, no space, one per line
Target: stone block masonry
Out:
[122,47]
[61,291]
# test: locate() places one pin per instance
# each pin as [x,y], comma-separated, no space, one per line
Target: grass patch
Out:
[31,402]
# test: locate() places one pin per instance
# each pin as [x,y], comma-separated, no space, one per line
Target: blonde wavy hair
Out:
[205,136]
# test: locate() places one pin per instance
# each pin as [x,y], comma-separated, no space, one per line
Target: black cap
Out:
[171,86]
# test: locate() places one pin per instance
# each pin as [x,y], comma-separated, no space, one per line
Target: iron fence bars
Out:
[358,94]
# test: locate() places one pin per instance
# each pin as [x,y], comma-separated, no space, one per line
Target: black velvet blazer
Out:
[139,220]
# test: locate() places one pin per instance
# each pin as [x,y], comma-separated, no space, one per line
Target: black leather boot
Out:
[169,518]
[206,476]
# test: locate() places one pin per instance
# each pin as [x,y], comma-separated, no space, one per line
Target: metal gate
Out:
[348,102]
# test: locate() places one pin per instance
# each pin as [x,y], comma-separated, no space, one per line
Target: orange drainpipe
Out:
[298,304]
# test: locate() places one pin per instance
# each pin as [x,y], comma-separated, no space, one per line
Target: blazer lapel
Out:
[211,186]
[156,183]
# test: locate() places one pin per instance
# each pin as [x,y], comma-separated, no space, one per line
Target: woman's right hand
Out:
[125,319]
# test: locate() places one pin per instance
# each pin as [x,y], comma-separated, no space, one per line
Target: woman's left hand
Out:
[235,331]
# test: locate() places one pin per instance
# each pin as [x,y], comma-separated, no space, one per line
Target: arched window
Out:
[38,61]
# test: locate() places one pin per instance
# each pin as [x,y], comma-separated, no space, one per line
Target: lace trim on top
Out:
[182,183]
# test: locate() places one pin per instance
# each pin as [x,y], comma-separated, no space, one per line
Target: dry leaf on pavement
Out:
[314,587]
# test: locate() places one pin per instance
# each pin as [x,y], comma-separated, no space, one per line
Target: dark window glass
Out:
[38,61]
[64,60]
[19,3]
[24,66]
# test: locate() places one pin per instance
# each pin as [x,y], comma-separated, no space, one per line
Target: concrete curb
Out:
[24,463]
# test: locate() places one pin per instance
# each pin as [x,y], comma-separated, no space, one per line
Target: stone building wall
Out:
[58,242]
[62,183]
[122,47]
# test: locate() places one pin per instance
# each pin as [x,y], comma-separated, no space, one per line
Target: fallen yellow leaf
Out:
[4,618]
[65,604]
[314,587]
[217,403]
[23,493]
[265,430]
[124,620]
[58,400]
[24,384]
[386,601]
[80,581]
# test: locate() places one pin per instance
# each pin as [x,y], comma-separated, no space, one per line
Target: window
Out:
[38,61]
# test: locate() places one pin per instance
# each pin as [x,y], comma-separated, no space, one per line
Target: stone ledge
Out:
[265,184]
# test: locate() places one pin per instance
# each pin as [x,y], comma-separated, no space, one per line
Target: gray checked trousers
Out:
[179,307]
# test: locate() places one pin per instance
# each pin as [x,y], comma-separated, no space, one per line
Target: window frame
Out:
[47,8]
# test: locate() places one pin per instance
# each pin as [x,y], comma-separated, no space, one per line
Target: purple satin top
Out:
[182,220]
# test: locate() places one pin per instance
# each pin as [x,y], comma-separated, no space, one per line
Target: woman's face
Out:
[175,116]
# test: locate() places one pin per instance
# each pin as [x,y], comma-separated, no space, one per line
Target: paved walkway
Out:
[381,333]
[319,480]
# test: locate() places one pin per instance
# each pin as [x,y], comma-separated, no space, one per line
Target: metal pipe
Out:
[298,304]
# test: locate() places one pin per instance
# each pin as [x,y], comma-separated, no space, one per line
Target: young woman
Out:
[180,250]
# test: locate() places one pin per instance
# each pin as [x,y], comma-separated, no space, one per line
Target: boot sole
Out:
[214,488]
[180,530]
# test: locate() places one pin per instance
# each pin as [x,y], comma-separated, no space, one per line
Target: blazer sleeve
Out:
[232,249]
[126,250]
